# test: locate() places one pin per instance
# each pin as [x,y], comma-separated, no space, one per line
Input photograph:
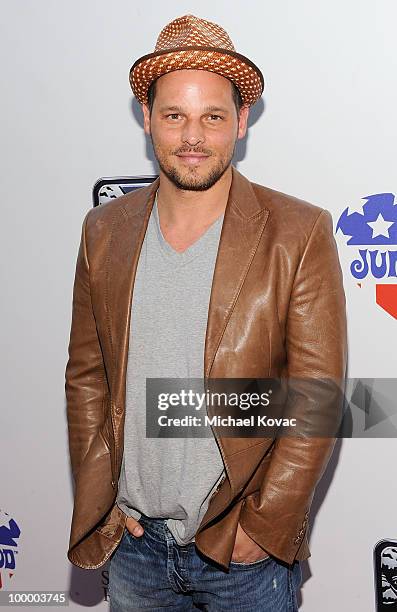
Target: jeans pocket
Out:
[245,565]
[129,536]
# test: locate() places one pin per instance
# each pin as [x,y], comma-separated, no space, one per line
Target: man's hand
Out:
[245,549]
[134,527]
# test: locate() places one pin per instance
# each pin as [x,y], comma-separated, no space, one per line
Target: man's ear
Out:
[243,121]
[146,118]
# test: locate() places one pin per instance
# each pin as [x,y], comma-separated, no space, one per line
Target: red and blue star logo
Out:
[373,223]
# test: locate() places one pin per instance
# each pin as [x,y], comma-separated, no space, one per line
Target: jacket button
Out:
[119,410]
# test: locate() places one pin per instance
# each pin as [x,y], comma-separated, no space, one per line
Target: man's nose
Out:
[193,132]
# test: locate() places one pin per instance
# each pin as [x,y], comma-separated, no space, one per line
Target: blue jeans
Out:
[153,572]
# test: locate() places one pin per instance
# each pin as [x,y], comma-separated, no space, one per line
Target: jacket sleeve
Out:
[85,377]
[277,517]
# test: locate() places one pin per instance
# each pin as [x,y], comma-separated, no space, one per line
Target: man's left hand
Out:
[245,549]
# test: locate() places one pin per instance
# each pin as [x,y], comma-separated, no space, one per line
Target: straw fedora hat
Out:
[189,42]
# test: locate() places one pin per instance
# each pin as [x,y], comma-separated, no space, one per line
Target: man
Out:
[201,274]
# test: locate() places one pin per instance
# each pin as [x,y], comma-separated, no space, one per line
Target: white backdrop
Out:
[325,132]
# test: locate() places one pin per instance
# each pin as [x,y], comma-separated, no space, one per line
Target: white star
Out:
[380,227]
[357,207]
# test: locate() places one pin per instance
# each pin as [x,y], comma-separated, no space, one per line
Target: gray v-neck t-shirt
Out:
[172,478]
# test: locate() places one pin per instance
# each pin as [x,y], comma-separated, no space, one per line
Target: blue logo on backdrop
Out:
[9,534]
[374,224]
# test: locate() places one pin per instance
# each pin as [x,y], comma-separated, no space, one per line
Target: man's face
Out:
[194,112]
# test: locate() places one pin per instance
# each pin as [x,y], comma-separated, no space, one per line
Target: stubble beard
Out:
[190,179]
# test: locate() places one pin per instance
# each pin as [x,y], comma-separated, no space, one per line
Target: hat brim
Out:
[232,65]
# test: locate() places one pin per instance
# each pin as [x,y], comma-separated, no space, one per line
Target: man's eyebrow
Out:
[213,109]
[171,108]
[207,109]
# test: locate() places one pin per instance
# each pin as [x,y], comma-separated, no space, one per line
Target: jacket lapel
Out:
[242,228]
[123,255]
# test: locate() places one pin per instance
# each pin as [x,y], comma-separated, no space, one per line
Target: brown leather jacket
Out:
[277,307]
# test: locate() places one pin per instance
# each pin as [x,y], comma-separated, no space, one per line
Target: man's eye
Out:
[176,115]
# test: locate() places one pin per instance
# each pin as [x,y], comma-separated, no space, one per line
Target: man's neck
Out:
[191,211]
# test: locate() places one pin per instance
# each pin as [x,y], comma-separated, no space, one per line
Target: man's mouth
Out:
[192,159]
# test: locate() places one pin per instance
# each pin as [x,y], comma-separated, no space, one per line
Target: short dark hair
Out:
[238,102]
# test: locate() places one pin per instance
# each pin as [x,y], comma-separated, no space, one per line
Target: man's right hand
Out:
[134,527]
